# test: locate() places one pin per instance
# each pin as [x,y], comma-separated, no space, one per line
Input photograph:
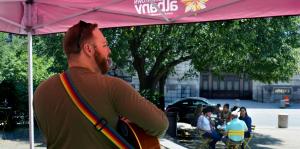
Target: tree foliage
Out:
[152,51]
[14,67]
[264,49]
[51,46]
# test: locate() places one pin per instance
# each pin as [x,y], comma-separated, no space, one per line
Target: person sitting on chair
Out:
[197,113]
[225,114]
[217,110]
[204,124]
[247,119]
[235,129]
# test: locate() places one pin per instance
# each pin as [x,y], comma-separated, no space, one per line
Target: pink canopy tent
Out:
[34,17]
[43,17]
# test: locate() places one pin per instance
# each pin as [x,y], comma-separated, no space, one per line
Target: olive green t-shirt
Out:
[65,127]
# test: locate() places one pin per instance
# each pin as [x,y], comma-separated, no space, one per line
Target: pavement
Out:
[19,139]
[267,135]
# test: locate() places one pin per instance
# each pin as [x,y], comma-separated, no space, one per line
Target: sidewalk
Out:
[266,114]
[264,138]
[19,139]
[276,138]
[17,144]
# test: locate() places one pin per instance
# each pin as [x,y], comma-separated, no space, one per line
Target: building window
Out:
[215,84]
[185,91]
[229,85]
[172,92]
[171,87]
[205,85]
[236,86]
[246,85]
[222,85]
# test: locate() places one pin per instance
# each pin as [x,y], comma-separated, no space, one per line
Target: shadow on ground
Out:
[21,134]
[260,140]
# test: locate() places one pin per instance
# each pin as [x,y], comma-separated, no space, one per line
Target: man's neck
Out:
[83,65]
[80,60]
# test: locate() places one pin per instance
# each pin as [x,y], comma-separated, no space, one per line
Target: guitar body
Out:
[136,136]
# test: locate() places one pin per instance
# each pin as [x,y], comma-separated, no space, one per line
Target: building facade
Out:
[276,91]
[224,86]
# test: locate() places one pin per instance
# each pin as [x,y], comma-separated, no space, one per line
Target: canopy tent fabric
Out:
[34,17]
[43,16]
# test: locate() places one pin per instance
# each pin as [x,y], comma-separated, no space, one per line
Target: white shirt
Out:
[203,123]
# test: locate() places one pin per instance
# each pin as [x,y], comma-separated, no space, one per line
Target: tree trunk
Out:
[148,89]
[162,82]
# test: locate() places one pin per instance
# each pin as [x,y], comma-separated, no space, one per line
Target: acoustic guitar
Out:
[136,136]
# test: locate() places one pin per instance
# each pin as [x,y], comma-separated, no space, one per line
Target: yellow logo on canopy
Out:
[194,5]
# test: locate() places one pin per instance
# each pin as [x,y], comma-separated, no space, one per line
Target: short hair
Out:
[76,36]
[234,108]
[243,108]
[226,105]
[208,109]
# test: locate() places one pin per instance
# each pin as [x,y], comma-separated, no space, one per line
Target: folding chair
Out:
[247,140]
[235,144]
[204,141]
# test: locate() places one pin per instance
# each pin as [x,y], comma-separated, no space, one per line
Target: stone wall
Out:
[275,92]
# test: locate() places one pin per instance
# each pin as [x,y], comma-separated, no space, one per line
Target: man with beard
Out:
[61,122]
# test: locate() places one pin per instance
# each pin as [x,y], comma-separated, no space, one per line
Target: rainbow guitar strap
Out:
[99,122]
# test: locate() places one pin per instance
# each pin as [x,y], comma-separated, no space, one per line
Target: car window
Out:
[185,103]
[197,102]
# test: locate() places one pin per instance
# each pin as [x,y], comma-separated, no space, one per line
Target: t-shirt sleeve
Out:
[130,104]
[245,126]
[199,122]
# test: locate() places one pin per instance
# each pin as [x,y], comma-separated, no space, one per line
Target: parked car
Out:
[186,107]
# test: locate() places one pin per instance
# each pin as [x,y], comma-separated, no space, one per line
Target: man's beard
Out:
[102,63]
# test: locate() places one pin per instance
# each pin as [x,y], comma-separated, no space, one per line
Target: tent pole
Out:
[30,91]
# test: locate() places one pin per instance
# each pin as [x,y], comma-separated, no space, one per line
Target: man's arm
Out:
[204,124]
[129,103]
[199,122]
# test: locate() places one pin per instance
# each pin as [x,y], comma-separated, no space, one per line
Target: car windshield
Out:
[201,100]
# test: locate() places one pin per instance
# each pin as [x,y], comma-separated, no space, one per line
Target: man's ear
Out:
[88,49]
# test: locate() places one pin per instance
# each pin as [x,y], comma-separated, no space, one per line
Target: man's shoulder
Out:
[115,80]
[229,124]
[235,122]
[242,123]
[44,85]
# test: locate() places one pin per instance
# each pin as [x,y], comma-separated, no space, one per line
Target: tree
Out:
[51,46]
[261,48]
[13,68]
[153,52]
[264,49]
